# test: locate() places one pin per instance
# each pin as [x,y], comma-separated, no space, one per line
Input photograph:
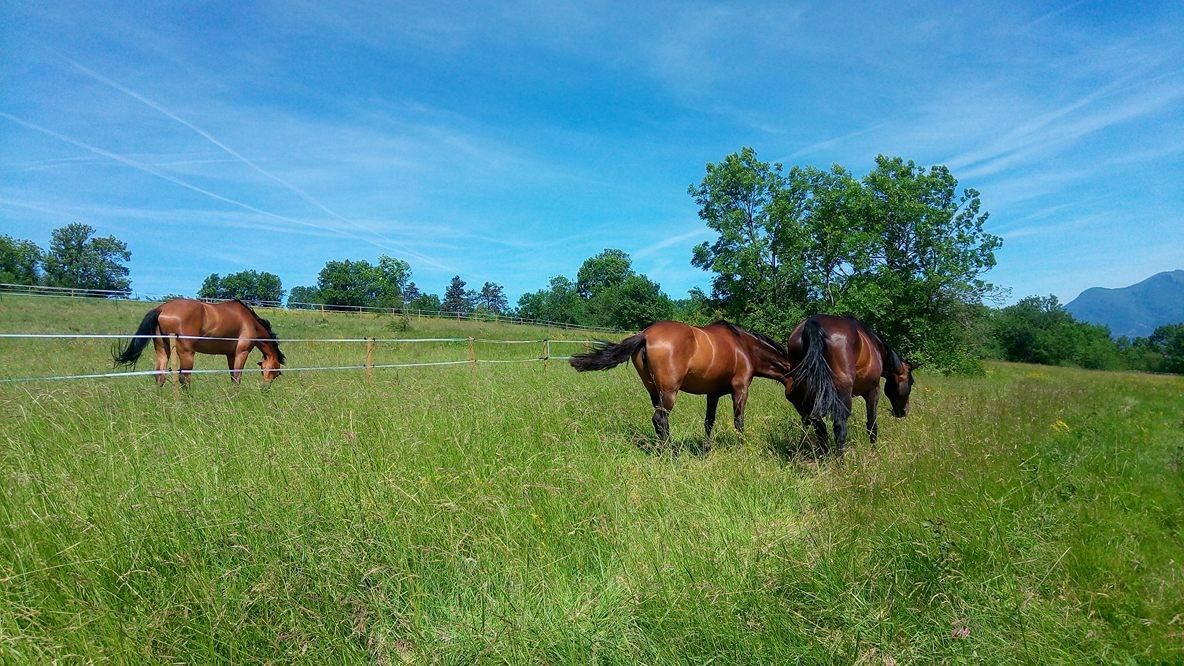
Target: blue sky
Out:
[509,141]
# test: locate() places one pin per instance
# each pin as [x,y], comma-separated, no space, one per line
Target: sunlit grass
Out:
[522,514]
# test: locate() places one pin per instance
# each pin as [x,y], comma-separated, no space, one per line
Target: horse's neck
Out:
[767,363]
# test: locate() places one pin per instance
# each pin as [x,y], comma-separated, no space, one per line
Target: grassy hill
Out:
[523,514]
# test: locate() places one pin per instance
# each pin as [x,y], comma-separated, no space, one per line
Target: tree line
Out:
[1040,330]
[76,259]
[901,248]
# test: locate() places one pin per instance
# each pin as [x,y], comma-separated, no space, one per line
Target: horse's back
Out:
[850,350]
[695,359]
[188,317]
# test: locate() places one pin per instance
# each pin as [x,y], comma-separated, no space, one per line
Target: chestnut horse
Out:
[715,360]
[835,359]
[229,328]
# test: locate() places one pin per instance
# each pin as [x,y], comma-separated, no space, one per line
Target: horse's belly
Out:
[214,346]
[705,386]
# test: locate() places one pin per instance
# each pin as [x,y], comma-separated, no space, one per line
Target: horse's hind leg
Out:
[841,423]
[662,410]
[186,358]
[161,345]
[820,431]
[709,420]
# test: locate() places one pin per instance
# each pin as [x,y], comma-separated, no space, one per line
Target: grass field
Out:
[522,514]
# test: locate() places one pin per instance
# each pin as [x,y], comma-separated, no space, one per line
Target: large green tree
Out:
[303,297]
[900,248]
[610,268]
[360,283]
[250,286]
[1168,343]
[393,276]
[20,261]
[630,305]
[78,261]
[1040,330]
[457,299]
[559,302]
[492,298]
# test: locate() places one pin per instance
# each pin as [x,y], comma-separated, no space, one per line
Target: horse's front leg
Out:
[237,362]
[872,398]
[739,398]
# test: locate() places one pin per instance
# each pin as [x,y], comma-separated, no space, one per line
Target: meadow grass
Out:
[524,514]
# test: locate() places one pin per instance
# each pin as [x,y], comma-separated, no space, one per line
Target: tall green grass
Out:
[522,513]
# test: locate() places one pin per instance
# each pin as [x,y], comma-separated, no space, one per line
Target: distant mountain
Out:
[1134,311]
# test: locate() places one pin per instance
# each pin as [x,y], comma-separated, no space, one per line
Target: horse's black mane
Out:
[759,336]
[267,327]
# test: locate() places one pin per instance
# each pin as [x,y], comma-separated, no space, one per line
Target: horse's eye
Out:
[259,363]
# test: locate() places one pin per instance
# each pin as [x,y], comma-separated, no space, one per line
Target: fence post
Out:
[472,356]
[369,358]
[546,353]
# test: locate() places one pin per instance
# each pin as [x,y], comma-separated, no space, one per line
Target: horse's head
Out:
[270,365]
[898,385]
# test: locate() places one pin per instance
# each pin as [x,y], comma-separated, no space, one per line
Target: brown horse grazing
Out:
[235,326]
[715,360]
[835,359]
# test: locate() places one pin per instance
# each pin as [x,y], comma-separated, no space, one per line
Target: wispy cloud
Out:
[208,137]
[213,195]
[654,248]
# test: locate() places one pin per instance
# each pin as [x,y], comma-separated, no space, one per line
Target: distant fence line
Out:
[368,366]
[125,296]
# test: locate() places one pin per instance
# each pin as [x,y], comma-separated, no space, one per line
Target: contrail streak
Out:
[205,135]
[213,195]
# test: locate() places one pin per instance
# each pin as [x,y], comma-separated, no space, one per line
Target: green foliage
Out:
[492,299]
[425,303]
[249,286]
[457,299]
[20,261]
[1040,330]
[359,283]
[608,269]
[607,293]
[303,297]
[560,303]
[899,249]
[78,261]
[630,305]
[697,309]
[1167,342]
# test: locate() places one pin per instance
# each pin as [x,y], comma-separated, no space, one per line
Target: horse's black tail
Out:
[605,355]
[131,354]
[813,380]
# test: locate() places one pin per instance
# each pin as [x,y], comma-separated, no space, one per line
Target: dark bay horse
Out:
[237,327]
[715,360]
[835,359]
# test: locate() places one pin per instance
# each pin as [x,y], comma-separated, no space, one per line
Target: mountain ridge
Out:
[1135,310]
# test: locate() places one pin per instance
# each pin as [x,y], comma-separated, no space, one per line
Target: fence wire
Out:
[211,371]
